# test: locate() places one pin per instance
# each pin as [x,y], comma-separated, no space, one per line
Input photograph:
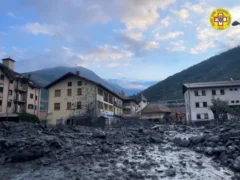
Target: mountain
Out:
[220,67]
[130,87]
[45,76]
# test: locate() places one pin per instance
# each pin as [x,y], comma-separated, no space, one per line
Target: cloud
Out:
[46,29]
[10,14]
[170,35]
[134,15]
[182,15]
[108,52]
[152,46]
[176,46]
[135,42]
[111,65]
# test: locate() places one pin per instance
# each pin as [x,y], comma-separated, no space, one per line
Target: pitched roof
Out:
[70,74]
[141,98]
[126,99]
[12,75]
[155,108]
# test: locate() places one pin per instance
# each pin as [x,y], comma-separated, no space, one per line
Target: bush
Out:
[29,118]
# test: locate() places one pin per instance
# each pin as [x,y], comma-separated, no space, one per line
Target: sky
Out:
[117,39]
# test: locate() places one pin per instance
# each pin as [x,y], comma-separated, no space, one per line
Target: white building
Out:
[142,103]
[198,98]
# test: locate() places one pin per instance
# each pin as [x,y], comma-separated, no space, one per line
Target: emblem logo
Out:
[220,19]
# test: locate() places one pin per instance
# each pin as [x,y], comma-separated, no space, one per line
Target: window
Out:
[235,89]
[204,104]
[197,104]
[203,92]
[79,91]
[213,92]
[9,92]
[231,89]
[9,104]
[35,107]
[35,97]
[0,102]
[2,77]
[11,81]
[196,93]
[205,115]
[222,91]
[198,116]
[79,83]
[100,91]
[232,101]
[237,101]
[1,89]
[31,96]
[30,106]
[69,92]
[69,84]
[58,93]
[100,105]
[79,105]
[56,106]
[69,105]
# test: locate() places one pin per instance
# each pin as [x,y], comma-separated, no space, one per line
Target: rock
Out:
[99,134]
[196,140]
[208,151]
[236,164]
[214,139]
[170,172]
[26,155]
[182,142]
[140,130]
[218,150]
[155,140]
[135,175]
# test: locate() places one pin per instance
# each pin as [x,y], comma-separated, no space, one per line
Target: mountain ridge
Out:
[224,66]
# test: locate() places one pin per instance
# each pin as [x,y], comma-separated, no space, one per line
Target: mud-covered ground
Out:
[132,150]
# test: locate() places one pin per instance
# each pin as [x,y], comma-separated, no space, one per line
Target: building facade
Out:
[18,93]
[198,98]
[74,96]
[130,107]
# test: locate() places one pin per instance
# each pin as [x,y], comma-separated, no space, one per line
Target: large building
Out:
[18,93]
[198,98]
[75,96]
[130,107]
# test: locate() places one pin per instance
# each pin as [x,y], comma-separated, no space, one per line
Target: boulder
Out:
[99,134]
[236,164]
[181,142]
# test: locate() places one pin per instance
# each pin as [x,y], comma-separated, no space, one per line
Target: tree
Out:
[83,107]
[220,110]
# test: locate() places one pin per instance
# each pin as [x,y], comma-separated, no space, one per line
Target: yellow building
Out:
[74,96]
[18,93]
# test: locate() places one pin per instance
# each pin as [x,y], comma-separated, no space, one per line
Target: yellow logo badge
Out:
[220,19]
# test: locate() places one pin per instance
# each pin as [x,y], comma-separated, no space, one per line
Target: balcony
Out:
[20,99]
[118,104]
[21,88]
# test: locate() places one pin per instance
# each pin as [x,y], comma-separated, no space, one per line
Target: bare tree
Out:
[83,108]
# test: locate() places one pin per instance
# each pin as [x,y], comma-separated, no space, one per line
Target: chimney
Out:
[29,76]
[77,73]
[8,62]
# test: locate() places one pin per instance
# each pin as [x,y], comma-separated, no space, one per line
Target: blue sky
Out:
[133,39]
